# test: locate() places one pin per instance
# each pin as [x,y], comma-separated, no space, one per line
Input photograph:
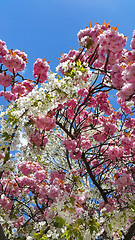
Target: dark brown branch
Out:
[130,233]
[2,235]
[69,164]
[89,62]
[103,194]
[107,59]
[79,55]
[1,174]
[64,129]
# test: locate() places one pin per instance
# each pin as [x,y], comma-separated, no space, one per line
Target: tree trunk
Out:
[131,232]
[2,235]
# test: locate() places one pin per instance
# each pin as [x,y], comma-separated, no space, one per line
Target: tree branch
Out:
[130,233]
[103,194]
[2,235]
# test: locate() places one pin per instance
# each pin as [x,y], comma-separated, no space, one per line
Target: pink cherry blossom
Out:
[5,80]
[40,69]
[3,48]
[13,62]
[18,89]
[70,113]
[44,122]
[10,96]
[70,144]
[127,90]
[38,138]
[133,41]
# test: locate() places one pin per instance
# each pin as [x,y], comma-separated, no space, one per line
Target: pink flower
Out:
[77,154]
[133,148]
[127,142]
[69,58]
[38,138]
[5,202]
[124,180]
[9,96]
[130,123]
[112,40]
[28,181]
[18,89]
[116,76]
[41,175]
[122,103]
[5,80]
[46,123]
[1,93]
[28,167]
[127,90]
[133,41]
[83,92]
[3,48]
[88,37]
[13,62]
[70,144]
[109,207]
[41,69]
[70,113]
[95,163]
[99,137]
[53,192]
[21,54]
[109,128]
[71,103]
[114,152]
[56,174]
[28,85]
[85,143]
[24,167]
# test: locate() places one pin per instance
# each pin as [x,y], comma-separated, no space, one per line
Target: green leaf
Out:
[78,64]
[110,227]
[132,207]
[49,98]
[67,233]
[61,92]
[6,136]
[59,222]
[89,43]
[120,234]
[7,156]
[80,221]
[93,226]
[44,238]
[72,200]
[82,69]
[37,236]
[72,73]
[78,234]
[35,104]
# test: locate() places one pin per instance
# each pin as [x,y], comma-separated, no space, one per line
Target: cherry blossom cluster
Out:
[109,44]
[41,69]
[48,190]
[14,60]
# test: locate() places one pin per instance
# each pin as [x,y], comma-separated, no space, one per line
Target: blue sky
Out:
[47,28]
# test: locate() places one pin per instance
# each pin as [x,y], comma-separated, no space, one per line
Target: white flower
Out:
[49,233]
[87,235]
[1,220]
[29,238]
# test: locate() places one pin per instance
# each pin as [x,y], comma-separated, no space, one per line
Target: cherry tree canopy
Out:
[67,148]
